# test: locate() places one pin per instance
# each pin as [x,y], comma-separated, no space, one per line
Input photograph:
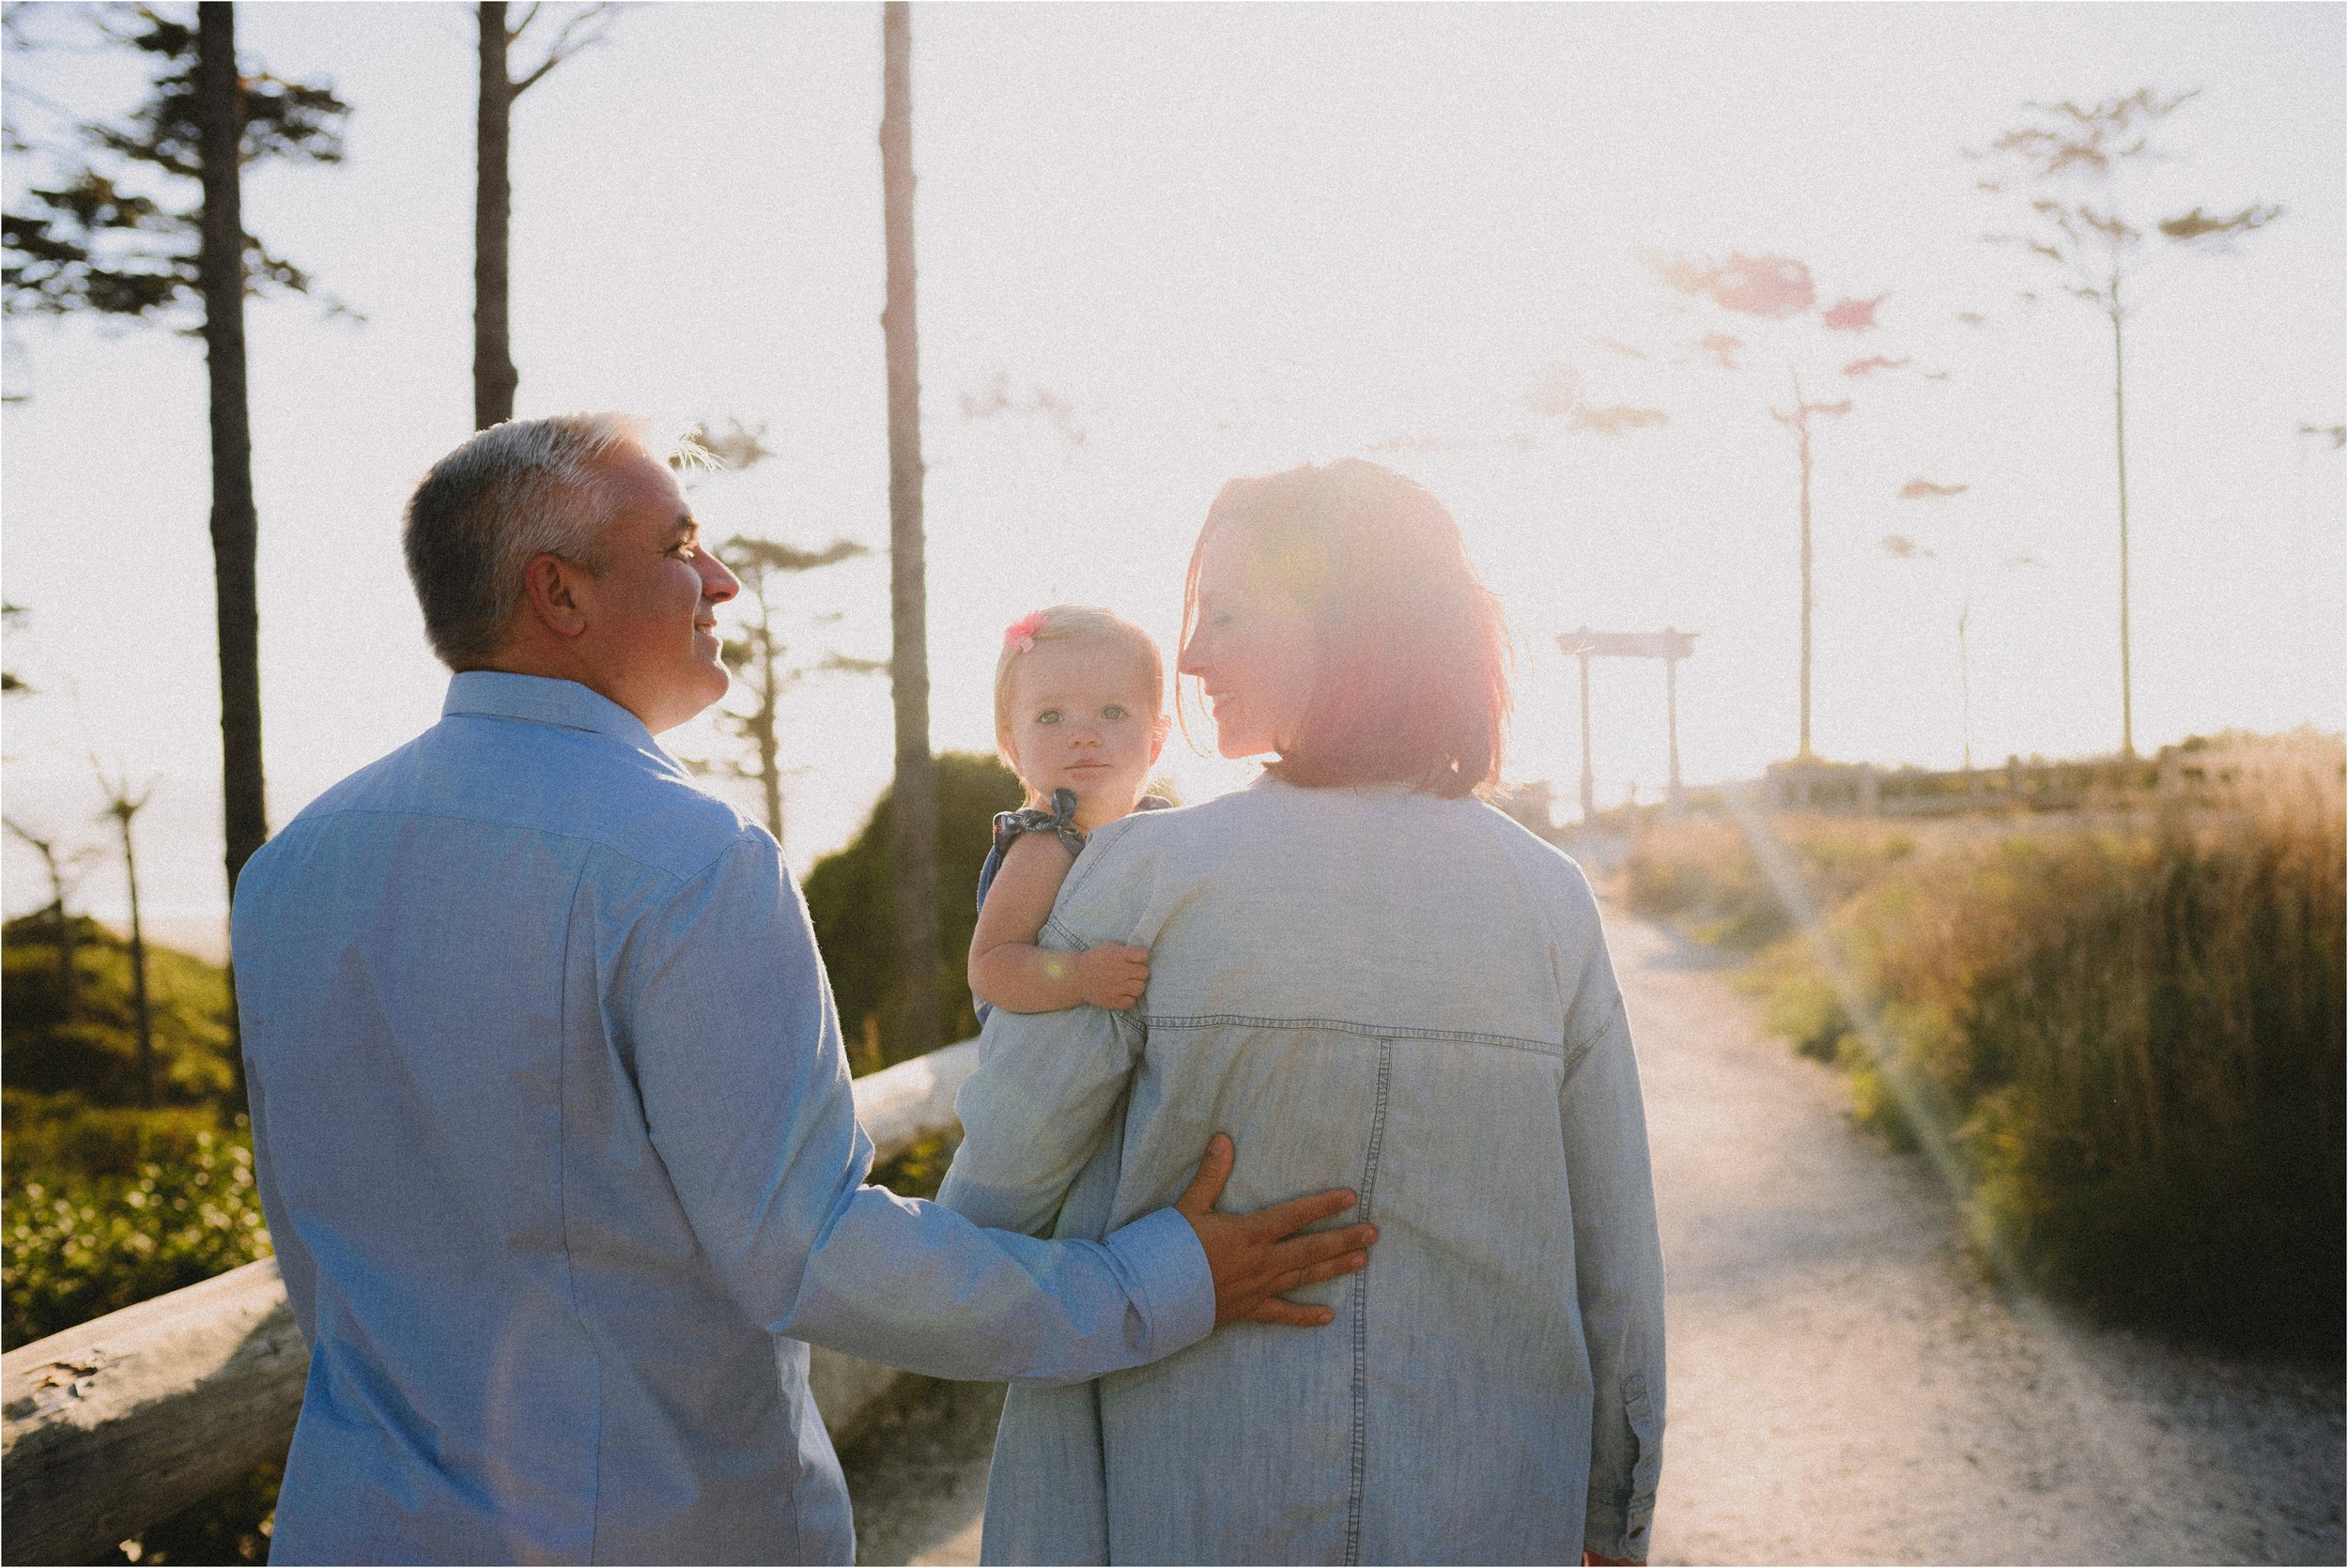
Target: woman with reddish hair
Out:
[1364,974]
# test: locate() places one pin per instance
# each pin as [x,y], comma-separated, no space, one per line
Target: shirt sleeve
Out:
[295,1266]
[1038,1106]
[1618,1258]
[729,1018]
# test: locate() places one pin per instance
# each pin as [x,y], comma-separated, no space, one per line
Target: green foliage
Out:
[1702,872]
[2139,1037]
[90,1050]
[108,1204]
[98,242]
[80,1245]
[1803,1009]
[920,1170]
[2130,1041]
[848,896]
[65,1133]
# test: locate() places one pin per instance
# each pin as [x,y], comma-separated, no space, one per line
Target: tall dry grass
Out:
[2130,1038]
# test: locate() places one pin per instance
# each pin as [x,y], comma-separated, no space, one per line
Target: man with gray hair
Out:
[552,1123]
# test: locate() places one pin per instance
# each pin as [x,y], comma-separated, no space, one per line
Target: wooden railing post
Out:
[124,1421]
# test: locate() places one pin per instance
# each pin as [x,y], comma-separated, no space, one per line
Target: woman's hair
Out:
[1074,624]
[1411,678]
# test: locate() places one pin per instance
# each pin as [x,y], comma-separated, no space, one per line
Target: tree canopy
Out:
[111,236]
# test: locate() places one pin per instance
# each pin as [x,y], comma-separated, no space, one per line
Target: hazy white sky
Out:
[1231,239]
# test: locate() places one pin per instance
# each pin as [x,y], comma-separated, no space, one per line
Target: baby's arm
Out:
[1008,971]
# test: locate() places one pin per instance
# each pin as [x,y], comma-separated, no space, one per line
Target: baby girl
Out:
[1079,699]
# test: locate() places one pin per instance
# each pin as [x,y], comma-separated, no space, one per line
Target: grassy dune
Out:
[2125,1037]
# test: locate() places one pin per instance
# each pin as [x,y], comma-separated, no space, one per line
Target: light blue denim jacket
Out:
[1365,988]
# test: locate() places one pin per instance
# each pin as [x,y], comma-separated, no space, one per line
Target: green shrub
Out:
[1702,872]
[80,1245]
[108,1203]
[2151,1062]
[1803,1009]
[851,902]
[920,1171]
[90,1048]
[2126,1040]
[65,1133]
[2130,1042]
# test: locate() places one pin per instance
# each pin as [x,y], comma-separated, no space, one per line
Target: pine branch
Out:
[584,29]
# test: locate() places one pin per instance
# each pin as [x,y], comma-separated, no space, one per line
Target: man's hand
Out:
[1256,1257]
[1113,974]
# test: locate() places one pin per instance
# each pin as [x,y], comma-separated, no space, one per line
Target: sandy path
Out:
[918,1473]
[1843,1386]
[1845,1389]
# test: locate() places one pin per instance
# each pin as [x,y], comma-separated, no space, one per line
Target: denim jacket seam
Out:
[1347,1026]
[1360,1449]
[1580,1047]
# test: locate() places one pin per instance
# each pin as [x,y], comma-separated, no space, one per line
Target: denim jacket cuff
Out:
[1626,1537]
[1164,1265]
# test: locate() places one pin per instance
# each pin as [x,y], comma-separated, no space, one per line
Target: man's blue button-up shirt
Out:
[554,1131]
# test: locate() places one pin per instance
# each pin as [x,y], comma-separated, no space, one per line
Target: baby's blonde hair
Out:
[1072,624]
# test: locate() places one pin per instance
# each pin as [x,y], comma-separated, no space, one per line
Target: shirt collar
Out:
[538,700]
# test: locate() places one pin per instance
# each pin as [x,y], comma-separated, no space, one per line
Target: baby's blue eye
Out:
[1049,716]
[1113,711]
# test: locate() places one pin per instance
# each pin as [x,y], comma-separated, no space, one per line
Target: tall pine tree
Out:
[915,846]
[2068,164]
[147,224]
[494,377]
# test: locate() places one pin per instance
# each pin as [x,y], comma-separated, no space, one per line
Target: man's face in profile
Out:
[653,611]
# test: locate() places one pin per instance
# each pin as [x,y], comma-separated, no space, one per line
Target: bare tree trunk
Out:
[494,376]
[1802,441]
[2120,445]
[234,525]
[1965,682]
[769,748]
[69,973]
[916,788]
[69,977]
[1589,775]
[141,1011]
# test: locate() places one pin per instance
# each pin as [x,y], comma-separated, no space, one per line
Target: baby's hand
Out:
[1113,974]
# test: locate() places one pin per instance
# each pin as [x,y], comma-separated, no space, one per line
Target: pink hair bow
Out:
[1020,634]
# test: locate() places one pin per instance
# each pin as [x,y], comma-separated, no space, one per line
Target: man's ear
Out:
[548,586]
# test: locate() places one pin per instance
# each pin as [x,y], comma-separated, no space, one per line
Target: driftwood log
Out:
[110,1427]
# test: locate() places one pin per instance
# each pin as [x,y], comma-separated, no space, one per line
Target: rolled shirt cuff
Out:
[1623,1534]
[1159,1261]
